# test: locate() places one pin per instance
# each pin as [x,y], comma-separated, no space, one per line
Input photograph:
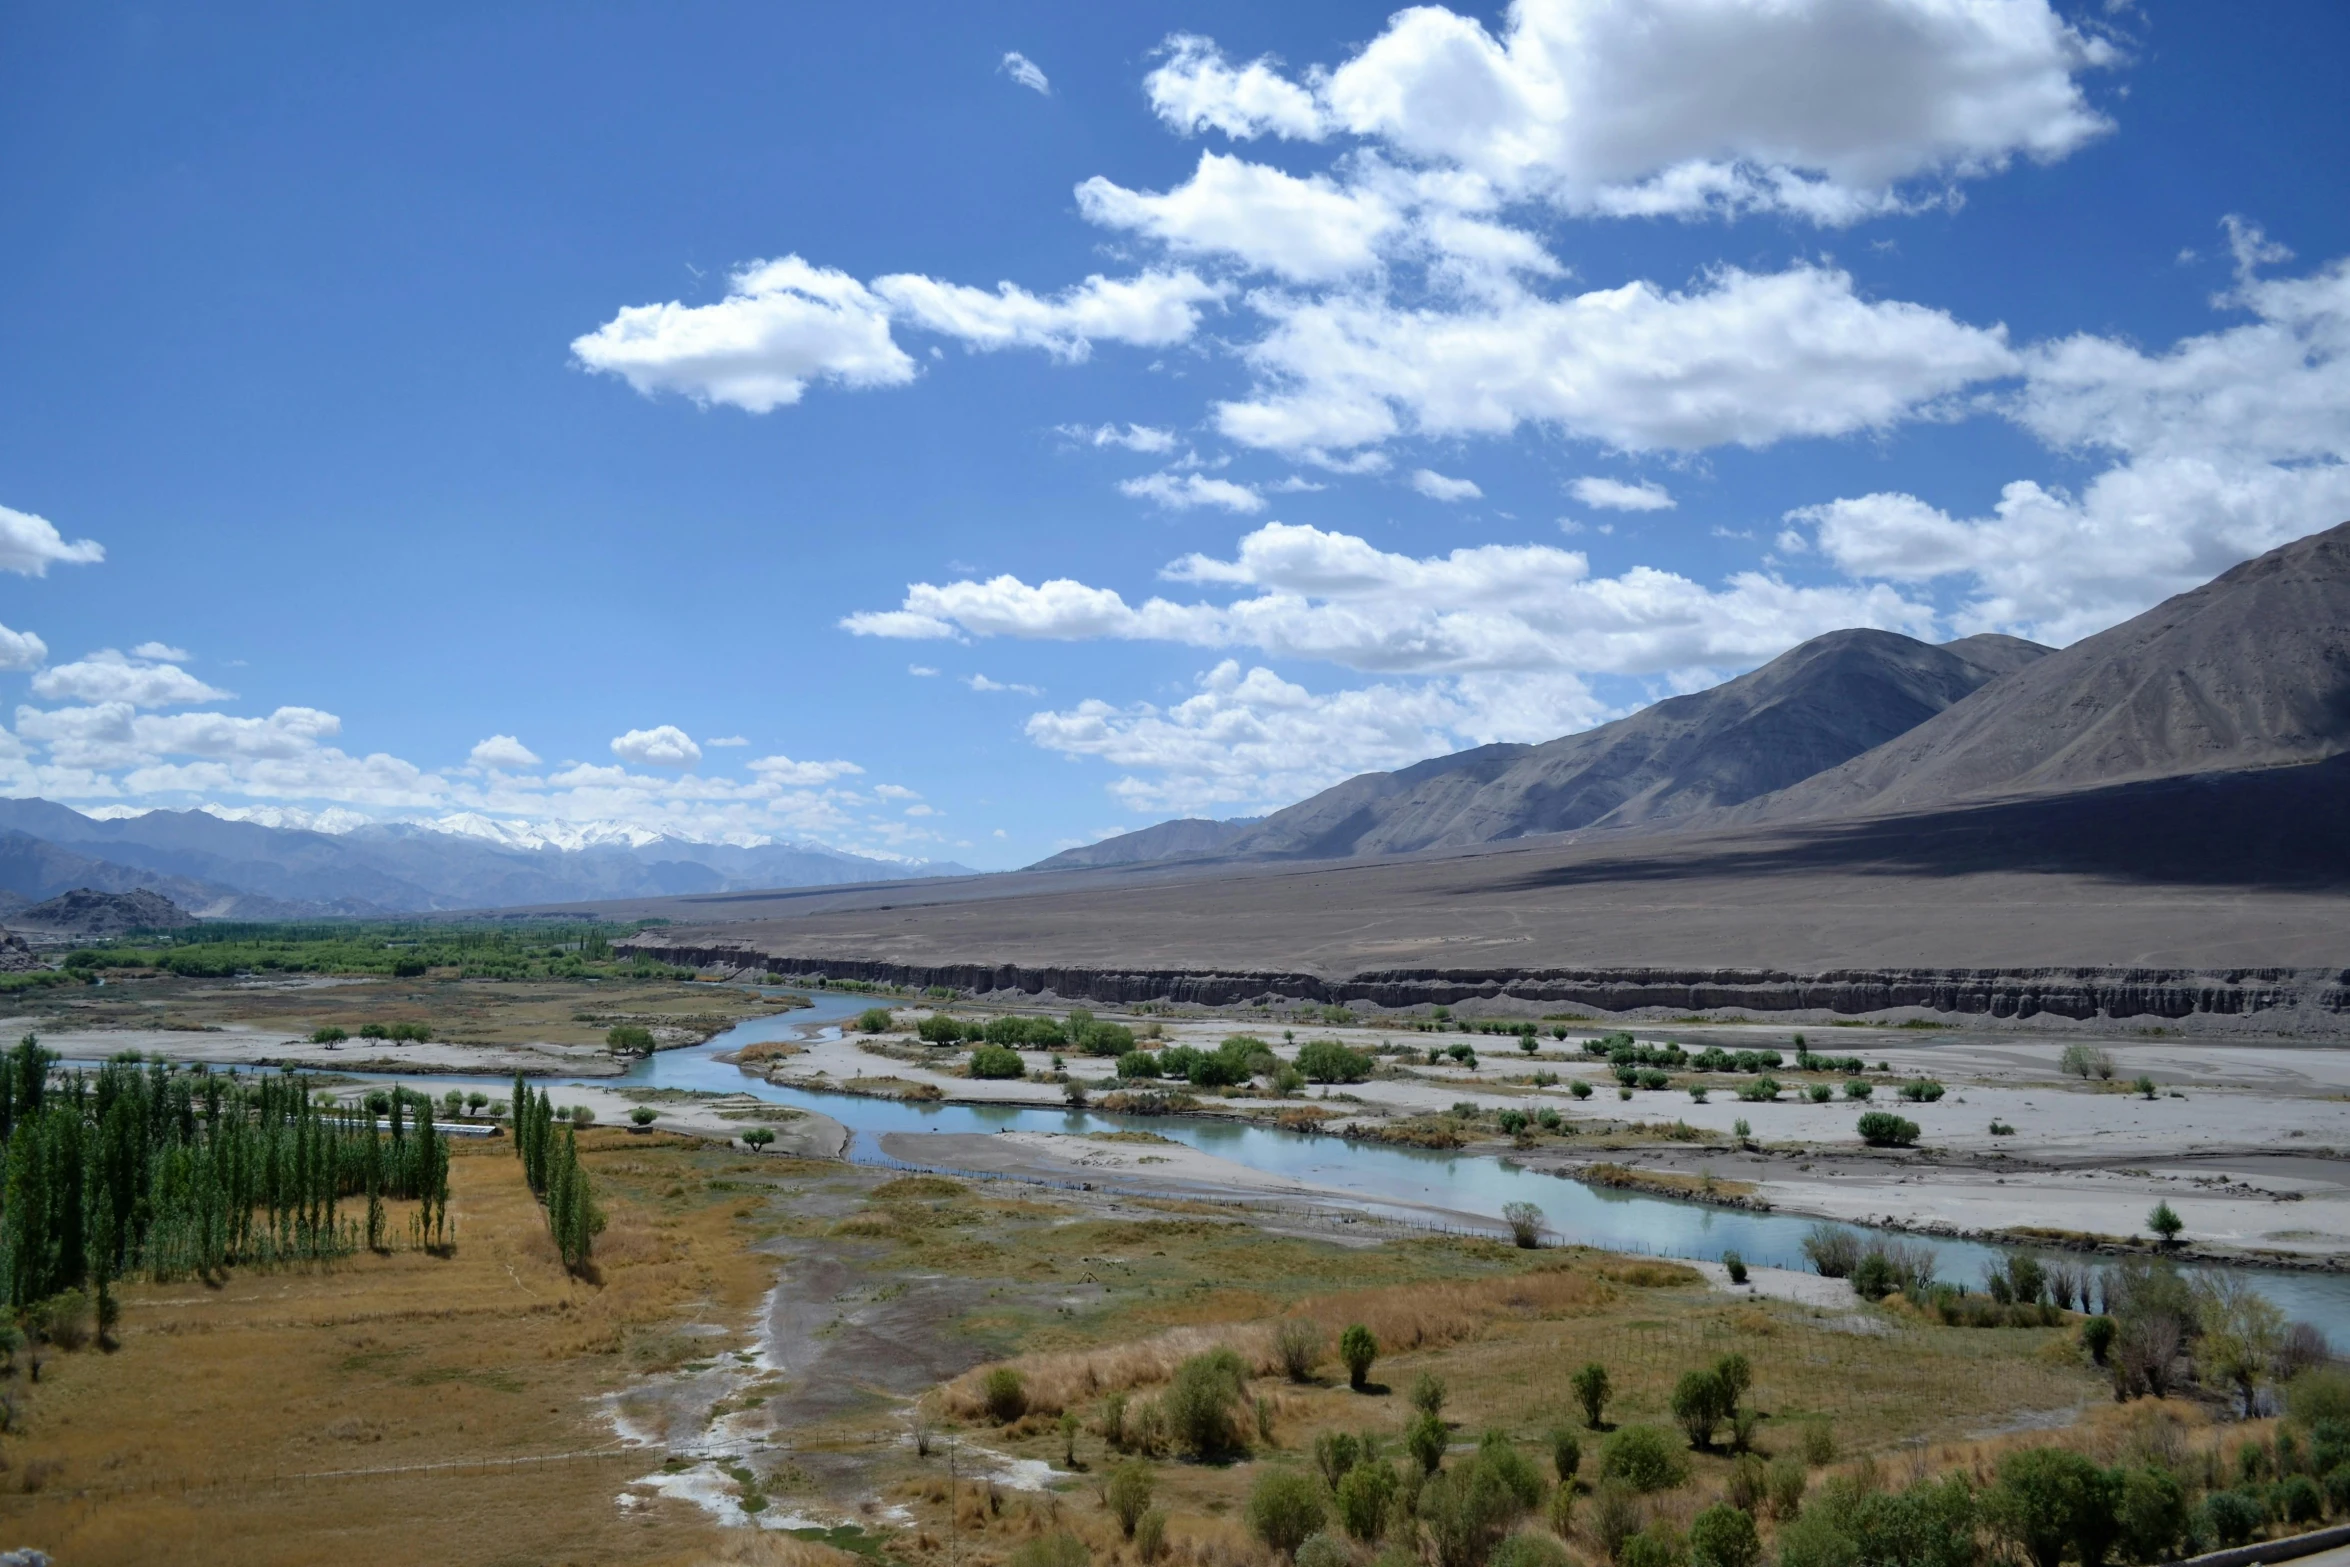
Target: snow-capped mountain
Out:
[271,862]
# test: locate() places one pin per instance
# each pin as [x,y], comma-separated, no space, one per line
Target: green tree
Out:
[1426,1440]
[2052,1502]
[1129,1494]
[1467,1510]
[1359,1350]
[1200,1404]
[1723,1536]
[1284,1507]
[1428,1393]
[1566,1454]
[1365,1495]
[2165,1223]
[1700,1403]
[1644,1458]
[1592,1391]
[630,1039]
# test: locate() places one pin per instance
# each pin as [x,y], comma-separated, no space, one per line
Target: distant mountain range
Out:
[2223,685]
[222,868]
[1819,704]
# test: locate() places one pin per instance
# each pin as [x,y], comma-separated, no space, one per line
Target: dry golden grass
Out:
[390,1409]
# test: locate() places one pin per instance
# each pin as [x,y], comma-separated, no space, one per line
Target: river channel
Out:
[1379,1177]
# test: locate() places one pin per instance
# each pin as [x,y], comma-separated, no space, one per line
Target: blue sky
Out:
[502,409]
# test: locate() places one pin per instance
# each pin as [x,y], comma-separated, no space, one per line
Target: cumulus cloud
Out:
[1183,491]
[1336,598]
[726,740]
[1308,230]
[664,745]
[1026,72]
[1250,739]
[111,676]
[162,652]
[1152,310]
[30,545]
[1437,487]
[1616,495]
[2225,445]
[782,769]
[982,683]
[1133,437]
[503,752]
[1820,108]
[21,650]
[1746,359]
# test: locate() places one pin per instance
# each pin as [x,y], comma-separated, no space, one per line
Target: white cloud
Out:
[1257,741]
[1196,90]
[503,752]
[1820,108]
[1183,491]
[726,740]
[162,652]
[2226,445]
[782,769]
[1026,72]
[110,676]
[1616,495]
[30,545]
[922,670]
[894,792]
[1747,359]
[664,745]
[1307,230]
[781,325]
[21,650]
[921,810]
[1153,310]
[1437,487]
[1133,437]
[982,683]
[1334,597]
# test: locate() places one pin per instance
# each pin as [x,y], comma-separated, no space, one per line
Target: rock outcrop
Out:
[84,914]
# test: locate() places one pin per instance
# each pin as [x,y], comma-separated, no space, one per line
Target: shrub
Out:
[1820,1093]
[1365,1496]
[1566,1454]
[2230,1517]
[1833,1251]
[633,1038]
[1658,1545]
[1324,1550]
[1735,1266]
[1129,1494]
[1328,1061]
[1199,1404]
[1592,1389]
[2299,1499]
[1358,1349]
[1884,1129]
[1580,1089]
[329,1035]
[1784,1483]
[1297,1343]
[1150,1535]
[1428,1393]
[1426,1439]
[1284,1507]
[2165,1222]
[876,1020]
[1614,1518]
[1922,1091]
[2319,1394]
[1644,1458]
[1819,1443]
[1872,1276]
[1524,1220]
[1700,1402]
[940,1029]
[757,1138]
[1059,1549]
[1530,1550]
[1467,1510]
[2050,1501]
[2086,1061]
[1138,1064]
[1854,1088]
[996,1061]
[1723,1537]
[1514,1469]
[1004,1391]
[644,1115]
[1749,1484]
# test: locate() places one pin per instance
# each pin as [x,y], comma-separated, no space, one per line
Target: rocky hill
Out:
[87,915]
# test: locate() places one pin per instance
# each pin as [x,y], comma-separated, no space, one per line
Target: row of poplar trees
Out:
[137,1169]
[548,1146]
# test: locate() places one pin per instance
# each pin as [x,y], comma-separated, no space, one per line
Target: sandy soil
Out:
[234,1045]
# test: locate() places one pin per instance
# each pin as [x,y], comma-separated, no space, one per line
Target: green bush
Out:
[1005,1393]
[1328,1061]
[1366,1494]
[1530,1550]
[1358,1349]
[1592,1390]
[997,1062]
[1137,1066]
[644,1115]
[1059,1549]
[1200,1405]
[1514,1469]
[2298,1500]
[1700,1402]
[1426,1439]
[1658,1545]
[876,1020]
[329,1035]
[1128,1494]
[1566,1454]
[1324,1550]
[2052,1502]
[1428,1393]
[1284,1507]
[1884,1129]
[2097,1337]
[2230,1518]
[1854,1088]
[1644,1458]
[1467,1510]
[1723,1536]
[940,1029]
[634,1038]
